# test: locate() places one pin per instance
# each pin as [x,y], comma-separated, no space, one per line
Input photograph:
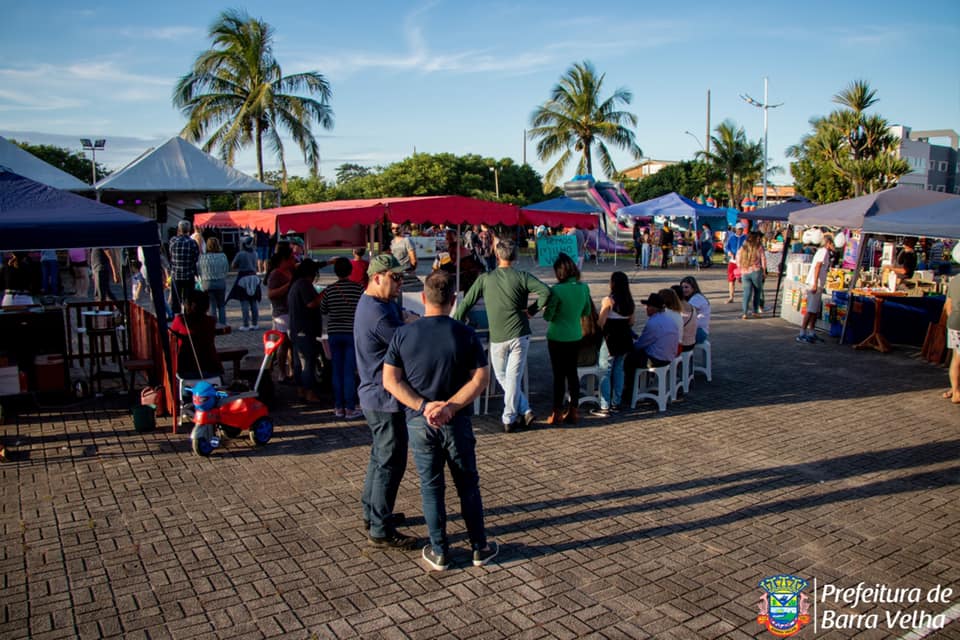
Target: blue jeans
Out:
[218,304]
[453,445]
[611,385]
[645,256]
[250,308]
[305,360]
[51,273]
[344,365]
[752,291]
[509,360]
[388,461]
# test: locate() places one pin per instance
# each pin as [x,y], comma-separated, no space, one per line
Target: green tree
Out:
[347,172]
[686,178]
[237,89]
[576,118]
[73,162]
[857,148]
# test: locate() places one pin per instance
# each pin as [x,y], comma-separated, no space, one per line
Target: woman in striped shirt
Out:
[339,304]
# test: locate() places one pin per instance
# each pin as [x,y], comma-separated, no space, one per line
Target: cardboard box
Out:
[9,381]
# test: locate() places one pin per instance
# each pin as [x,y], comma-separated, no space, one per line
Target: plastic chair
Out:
[681,374]
[703,360]
[654,386]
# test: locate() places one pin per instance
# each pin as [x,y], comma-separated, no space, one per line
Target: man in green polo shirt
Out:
[505,292]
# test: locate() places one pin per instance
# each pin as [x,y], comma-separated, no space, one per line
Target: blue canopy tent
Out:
[34,217]
[565,212]
[673,205]
[938,220]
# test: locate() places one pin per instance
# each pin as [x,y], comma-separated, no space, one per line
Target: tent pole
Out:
[458,258]
[853,283]
[783,261]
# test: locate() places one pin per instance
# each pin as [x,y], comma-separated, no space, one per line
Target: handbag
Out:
[156,397]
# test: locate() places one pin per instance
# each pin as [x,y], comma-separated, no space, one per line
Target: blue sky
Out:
[461,77]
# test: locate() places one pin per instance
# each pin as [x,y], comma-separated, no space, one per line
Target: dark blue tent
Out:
[34,216]
[561,212]
[779,212]
[563,204]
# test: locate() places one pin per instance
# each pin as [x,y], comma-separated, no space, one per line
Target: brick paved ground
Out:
[812,460]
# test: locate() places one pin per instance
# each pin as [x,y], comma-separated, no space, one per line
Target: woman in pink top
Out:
[81,271]
[753,265]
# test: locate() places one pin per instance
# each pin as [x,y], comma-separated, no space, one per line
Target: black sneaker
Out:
[614,408]
[485,555]
[507,427]
[437,561]
[394,520]
[528,418]
[396,540]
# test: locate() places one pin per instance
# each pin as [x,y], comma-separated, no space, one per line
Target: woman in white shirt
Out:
[691,291]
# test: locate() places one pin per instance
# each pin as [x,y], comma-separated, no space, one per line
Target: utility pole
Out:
[765,106]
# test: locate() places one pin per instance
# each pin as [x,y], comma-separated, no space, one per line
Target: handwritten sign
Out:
[549,247]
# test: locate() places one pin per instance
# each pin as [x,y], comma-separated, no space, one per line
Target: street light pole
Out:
[92,148]
[765,105]
[496,180]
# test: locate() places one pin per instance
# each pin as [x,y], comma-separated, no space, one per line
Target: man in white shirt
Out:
[816,281]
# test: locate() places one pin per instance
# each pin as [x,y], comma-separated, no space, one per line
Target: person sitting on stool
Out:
[657,345]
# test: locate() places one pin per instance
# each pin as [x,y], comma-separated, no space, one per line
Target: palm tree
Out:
[737,159]
[236,89]
[577,117]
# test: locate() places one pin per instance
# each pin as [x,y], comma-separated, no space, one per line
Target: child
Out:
[138,284]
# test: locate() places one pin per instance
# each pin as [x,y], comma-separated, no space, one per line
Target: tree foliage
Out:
[848,153]
[73,162]
[576,118]
[686,178]
[237,93]
[422,174]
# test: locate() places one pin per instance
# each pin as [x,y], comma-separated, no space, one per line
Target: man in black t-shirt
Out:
[907,259]
[436,367]
[306,325]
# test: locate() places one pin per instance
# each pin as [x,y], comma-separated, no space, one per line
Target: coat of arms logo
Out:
[783,606]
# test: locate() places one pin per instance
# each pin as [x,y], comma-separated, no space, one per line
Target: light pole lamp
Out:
[92,148]
[496,180]
[765,106]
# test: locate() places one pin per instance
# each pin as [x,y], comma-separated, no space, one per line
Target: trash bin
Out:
[144,418]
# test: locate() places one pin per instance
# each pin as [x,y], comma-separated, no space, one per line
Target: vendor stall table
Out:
[876,340]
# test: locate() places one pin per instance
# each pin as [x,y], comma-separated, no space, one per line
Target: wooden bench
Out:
[234,355]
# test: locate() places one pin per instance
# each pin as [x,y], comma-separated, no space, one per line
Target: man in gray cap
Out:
[377,317]
[184,254]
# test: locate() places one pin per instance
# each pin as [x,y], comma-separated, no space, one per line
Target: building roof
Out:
[178,166]
[26,164]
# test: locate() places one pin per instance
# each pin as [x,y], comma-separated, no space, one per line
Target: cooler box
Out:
[49,372]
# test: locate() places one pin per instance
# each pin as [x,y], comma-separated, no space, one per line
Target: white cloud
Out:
[161,33]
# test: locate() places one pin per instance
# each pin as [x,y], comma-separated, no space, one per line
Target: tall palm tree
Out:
[737,159]
[236,88]
[576,118]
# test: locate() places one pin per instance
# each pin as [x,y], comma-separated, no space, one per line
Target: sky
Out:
[450,76]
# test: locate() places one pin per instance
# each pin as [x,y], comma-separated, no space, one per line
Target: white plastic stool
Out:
[686,371]
[654,386]
[673,384]
[592,394]
[702,353]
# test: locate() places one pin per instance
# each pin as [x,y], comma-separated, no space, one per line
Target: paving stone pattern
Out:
[813,460]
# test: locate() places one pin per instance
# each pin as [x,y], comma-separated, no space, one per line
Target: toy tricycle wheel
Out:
[201,440]
[261,431]
[230,432]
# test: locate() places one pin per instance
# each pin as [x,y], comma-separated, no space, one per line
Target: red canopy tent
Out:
[347,213]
